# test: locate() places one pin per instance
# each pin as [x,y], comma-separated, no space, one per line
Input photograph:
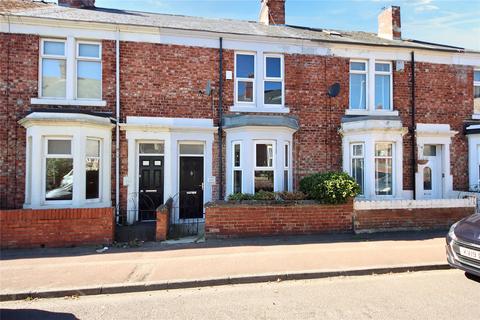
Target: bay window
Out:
[383,85]
[357,164]
[286,169]
[476,91]
[244,78]
[273,80]
[358,84]
[53,68]
[58,169]
[383,169]
[237,167]
[264,167]
[92,166]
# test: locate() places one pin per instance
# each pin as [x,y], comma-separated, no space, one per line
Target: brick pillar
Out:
[162,223]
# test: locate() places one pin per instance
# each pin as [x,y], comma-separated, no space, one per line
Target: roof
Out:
[222,26]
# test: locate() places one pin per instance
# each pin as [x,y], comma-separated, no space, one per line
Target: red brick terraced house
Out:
[103,108]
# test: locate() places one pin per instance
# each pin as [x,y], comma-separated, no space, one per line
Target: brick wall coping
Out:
[415,204]
[258,203]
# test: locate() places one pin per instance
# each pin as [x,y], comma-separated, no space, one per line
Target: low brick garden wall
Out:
[27,228]
[265,218]
[433,215]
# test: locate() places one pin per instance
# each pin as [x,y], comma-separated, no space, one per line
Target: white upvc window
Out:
[358,85]
[384,169]
[476,91]
[70,72]
[89,70]
[245,78]
[383,86]
[286,169]
[237,167]
[93,168]
[53,69]
[273,84]
[264,168]
[357,165]
[58,169]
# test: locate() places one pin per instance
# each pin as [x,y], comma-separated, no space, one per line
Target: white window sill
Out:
[476,116]
[65,102]
[237,108]
[69,205]
[371,112]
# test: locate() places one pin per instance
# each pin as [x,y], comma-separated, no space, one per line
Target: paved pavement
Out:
[156,266]
[438,295]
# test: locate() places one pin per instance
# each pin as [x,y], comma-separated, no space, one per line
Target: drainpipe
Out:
[117,124]
[414,162]
[220,118]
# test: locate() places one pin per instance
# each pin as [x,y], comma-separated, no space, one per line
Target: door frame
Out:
[440,172]
[179,155]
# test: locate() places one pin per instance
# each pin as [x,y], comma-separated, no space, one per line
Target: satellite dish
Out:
[334,90]
[208,88]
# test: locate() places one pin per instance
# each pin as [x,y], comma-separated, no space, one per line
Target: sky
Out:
[453,22]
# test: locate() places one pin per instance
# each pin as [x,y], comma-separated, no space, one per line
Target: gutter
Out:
[117,125]
[414,162]
[220,120]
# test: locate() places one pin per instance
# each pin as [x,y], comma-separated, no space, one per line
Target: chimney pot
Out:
[272,12]
[79,4]
[389,25]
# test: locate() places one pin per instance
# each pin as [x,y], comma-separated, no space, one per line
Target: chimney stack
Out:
[389,26]
[272,12]
[79,4]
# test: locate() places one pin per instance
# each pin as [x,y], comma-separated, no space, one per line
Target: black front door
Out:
[150,187]
[191,187]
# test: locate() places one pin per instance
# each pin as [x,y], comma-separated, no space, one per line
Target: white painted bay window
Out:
[383,169]
[273,80]
[92,168]
[58,169]
[237,167]
[286,169]
[357,167]
[245,78]
[358,84]
[383,86]
[264,166]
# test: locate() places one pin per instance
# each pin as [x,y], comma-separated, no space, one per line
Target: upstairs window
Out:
[358,85]
[53,69]
[273,80]
[476,91]
[383,85]
[244,78]
[89,71]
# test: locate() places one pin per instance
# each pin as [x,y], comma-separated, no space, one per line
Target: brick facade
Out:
[56,227]
[266,219]
[408,219]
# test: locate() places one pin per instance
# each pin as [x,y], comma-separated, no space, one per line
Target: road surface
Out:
[446,294]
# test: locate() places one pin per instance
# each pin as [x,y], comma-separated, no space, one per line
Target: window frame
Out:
[280,79]
[42,56]
[257,168]
[100,169]
[88,59]
[352,157]
[286,166]
[366,73]
[45,156]
[475,84]
[383,73]
[237,168]
[253,80]
[392,157]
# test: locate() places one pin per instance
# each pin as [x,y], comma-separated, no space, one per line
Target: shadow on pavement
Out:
[10,254]
[28,314]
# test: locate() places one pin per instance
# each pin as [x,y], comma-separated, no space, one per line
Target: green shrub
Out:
[264,195]
[296,195]
[329,187]
[240,196]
